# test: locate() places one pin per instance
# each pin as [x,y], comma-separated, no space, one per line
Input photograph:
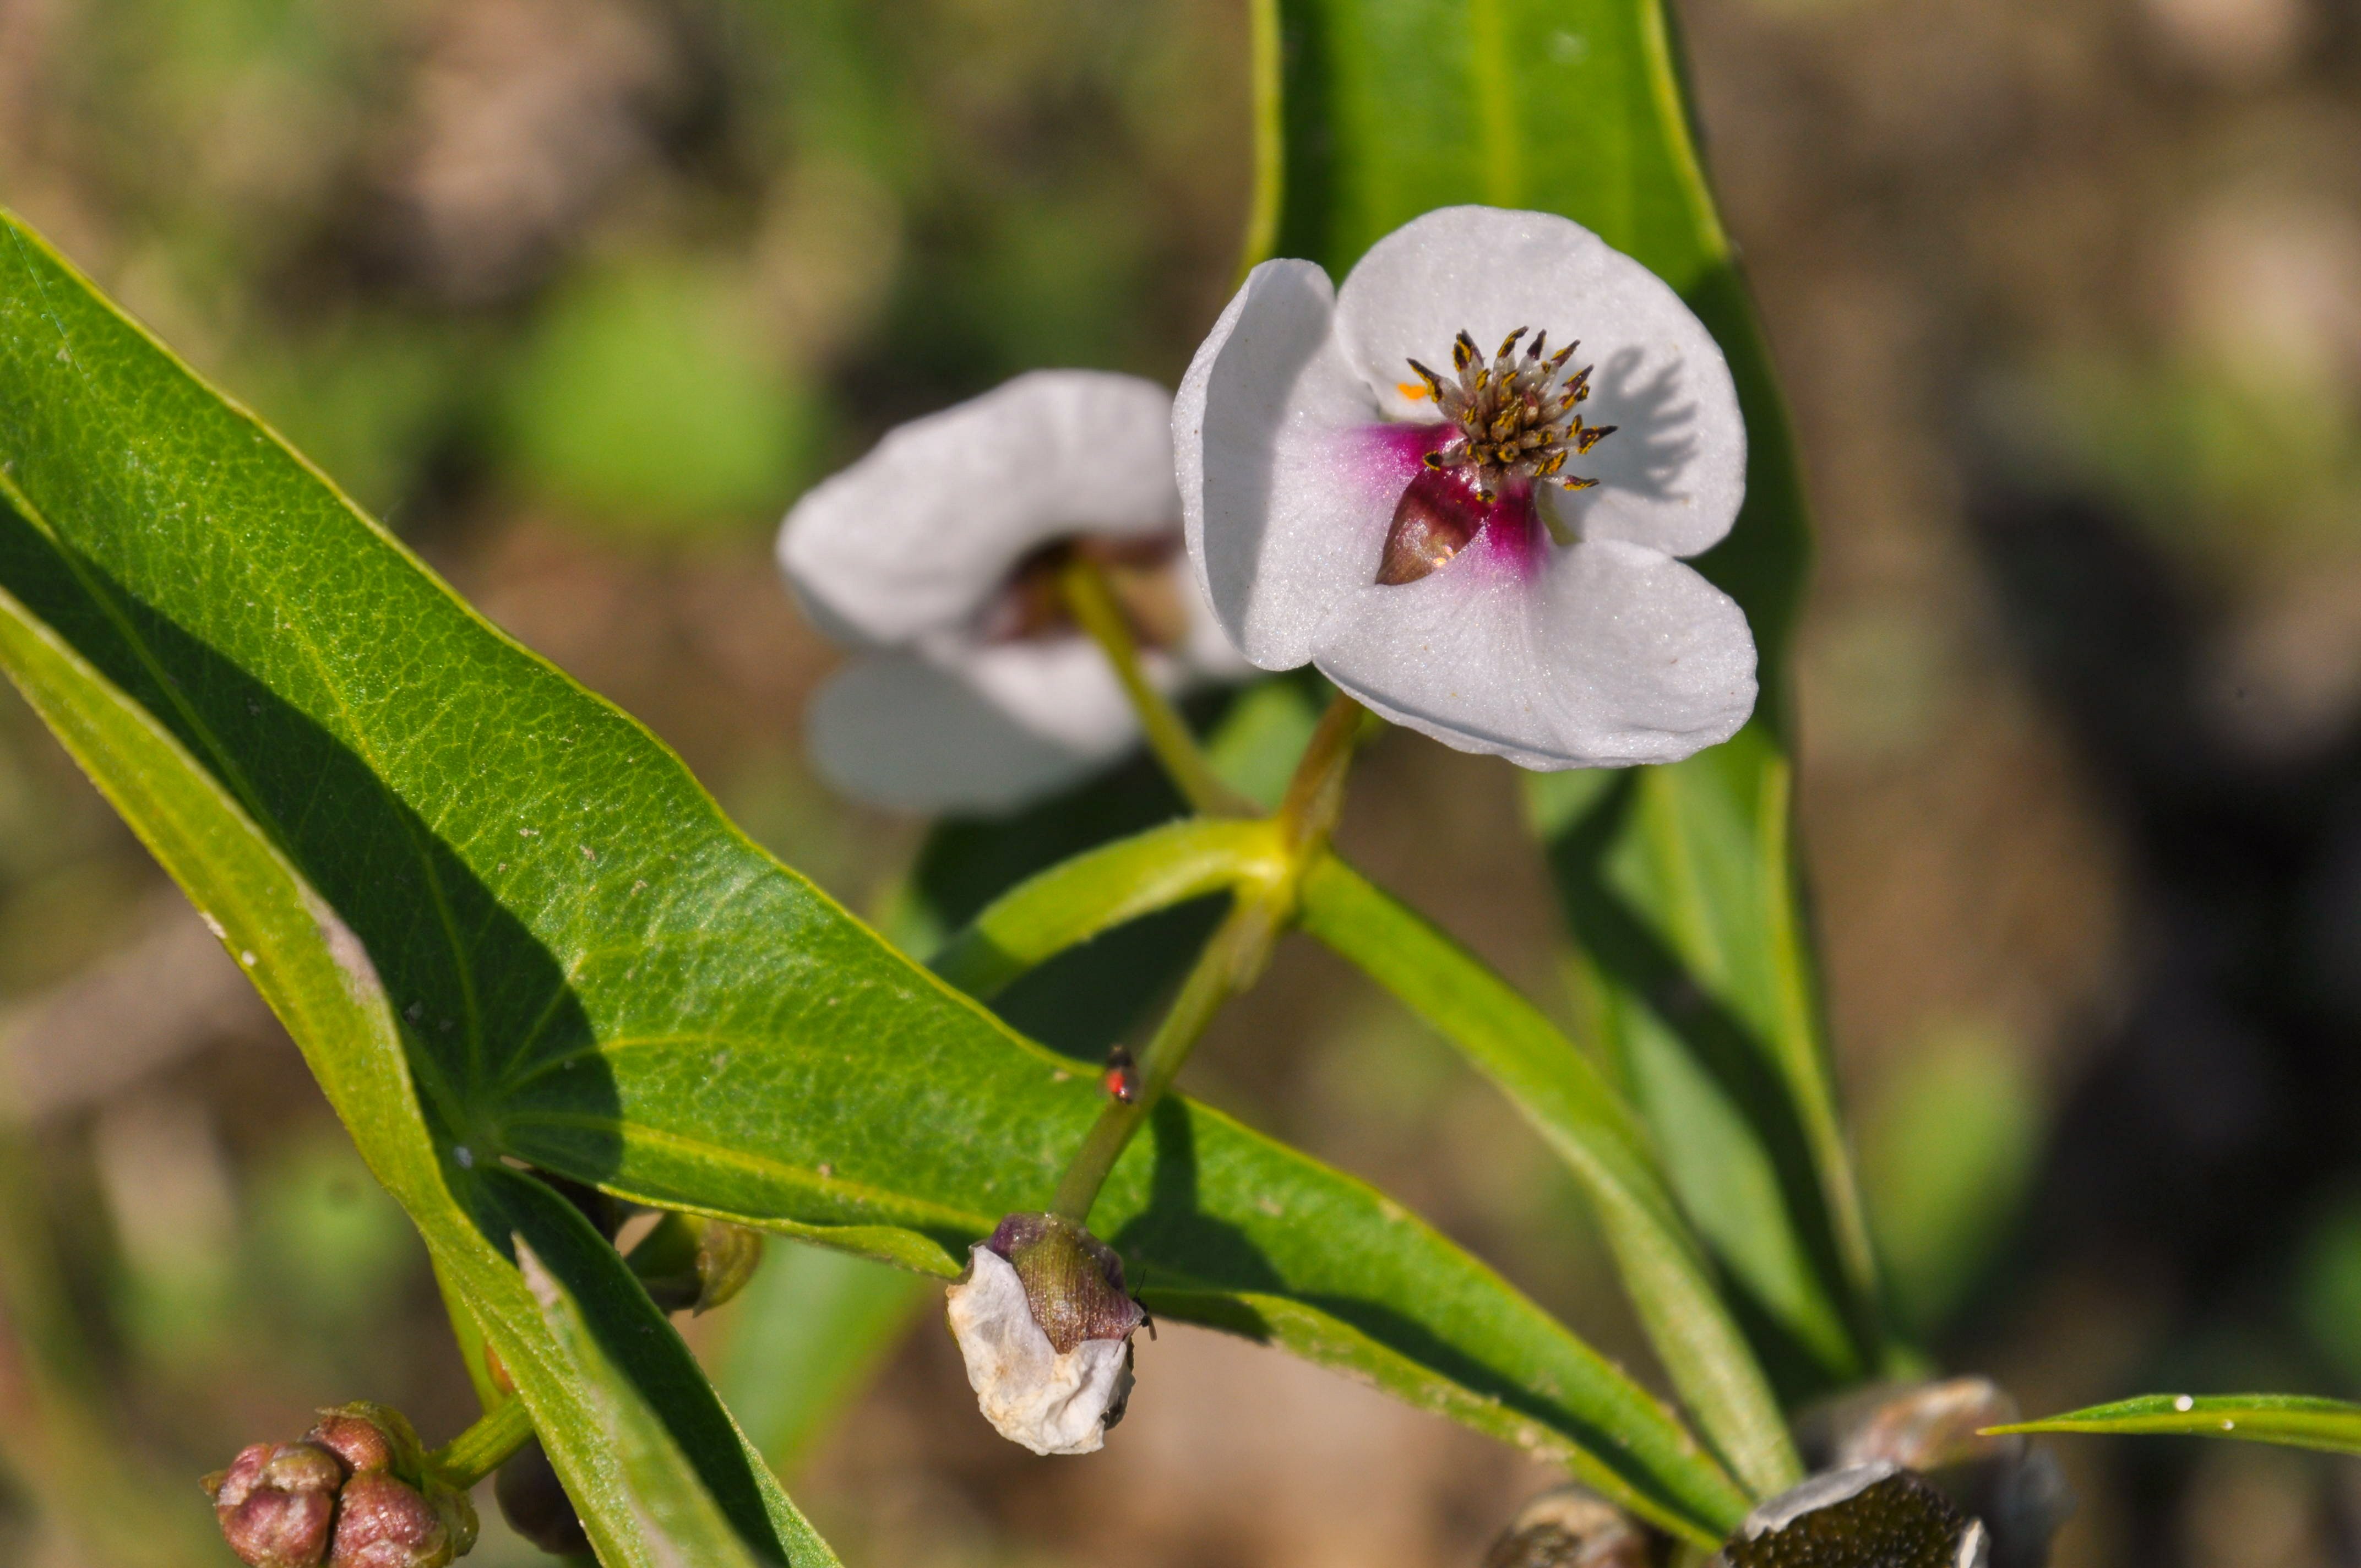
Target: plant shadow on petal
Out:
[477,994]
[1653,439]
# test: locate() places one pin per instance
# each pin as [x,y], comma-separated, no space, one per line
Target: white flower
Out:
[1867,1514]
[934,556]
[1413,532]
[1054,1393]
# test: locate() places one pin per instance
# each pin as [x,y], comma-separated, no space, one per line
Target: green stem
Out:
[484,1447]
[1091,598]
[1316,795]
[1103,888]
[1236,955]
[1269,134]
[1230,962]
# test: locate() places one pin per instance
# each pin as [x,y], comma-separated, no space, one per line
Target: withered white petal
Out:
[1563,634]
[1050,1403]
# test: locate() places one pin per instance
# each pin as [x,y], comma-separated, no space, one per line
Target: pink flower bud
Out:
[276,1503]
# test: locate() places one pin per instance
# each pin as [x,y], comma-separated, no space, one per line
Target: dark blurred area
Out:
[579,294]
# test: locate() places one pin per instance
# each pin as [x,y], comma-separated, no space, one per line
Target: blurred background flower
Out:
[581,293]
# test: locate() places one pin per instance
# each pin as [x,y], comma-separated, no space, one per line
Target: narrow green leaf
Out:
[1586,1123]
[1683,900]
[581,966]
[320,981]
[2291,1421]
[650,1478]
[810,1330]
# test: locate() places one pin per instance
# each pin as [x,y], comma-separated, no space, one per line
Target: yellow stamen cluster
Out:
[1515,417]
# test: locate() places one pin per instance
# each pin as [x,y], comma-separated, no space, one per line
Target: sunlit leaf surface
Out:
[583,968]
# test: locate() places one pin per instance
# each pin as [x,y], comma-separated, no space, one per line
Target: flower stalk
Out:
[1235,957]
[484,1447]
[1083,583]
[1231,961]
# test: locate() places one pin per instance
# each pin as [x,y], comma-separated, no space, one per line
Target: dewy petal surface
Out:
[1672,476]
[900,730]
[1610,654]
[1276,496]
[917,534]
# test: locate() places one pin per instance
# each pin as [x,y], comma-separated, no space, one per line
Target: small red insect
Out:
[1122,1076]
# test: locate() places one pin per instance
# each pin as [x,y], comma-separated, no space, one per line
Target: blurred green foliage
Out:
[637,398]
[1947,1150]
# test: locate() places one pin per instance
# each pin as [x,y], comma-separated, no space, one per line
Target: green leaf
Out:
[1677,881]
[651,1479]
[1556,1089]
[1588,1126]
[2291,1421]
[810,1330]
[581,966]
[320,981]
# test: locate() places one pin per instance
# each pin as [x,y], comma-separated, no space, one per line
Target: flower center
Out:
[1512,421]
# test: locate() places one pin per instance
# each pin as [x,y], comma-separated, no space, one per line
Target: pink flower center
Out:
[1510,424]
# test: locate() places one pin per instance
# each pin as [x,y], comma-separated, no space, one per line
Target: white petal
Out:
[917,535]
[1059,688]
[1673,474]
[894,729]
[1613,654]
[1031,1395]
[1273,492]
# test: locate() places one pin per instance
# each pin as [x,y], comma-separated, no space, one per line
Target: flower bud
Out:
[355,1493]
[367,1437]
[535,1505]
[1575,1527]
[276,1503]
[1865,1516]
[385,1523]
[694,1263]
[1045,1326]
[2012,1485]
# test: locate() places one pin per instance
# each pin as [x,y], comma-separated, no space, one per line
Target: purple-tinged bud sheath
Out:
[1044,1325]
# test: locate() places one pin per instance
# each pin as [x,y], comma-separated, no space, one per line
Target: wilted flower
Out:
[1460,484]
[352,1493]
[1045,1326]
[1572,1526]
[938,554]
[694,1263]
[1866,1516]
[2013,1484]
